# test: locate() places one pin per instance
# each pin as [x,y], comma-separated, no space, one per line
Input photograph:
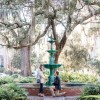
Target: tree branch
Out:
[8,42]
[95,2]
[84,18]
[61,23]
[63,40]
[21,46]
[45,31]
[54,31]
[14,25]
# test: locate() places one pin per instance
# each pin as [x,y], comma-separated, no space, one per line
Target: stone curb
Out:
[52,98]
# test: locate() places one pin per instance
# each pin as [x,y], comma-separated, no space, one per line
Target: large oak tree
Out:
[17,28]
[68,13]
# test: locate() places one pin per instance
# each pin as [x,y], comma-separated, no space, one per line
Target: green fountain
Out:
[51,64]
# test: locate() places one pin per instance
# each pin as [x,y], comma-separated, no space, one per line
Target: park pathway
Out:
[52,98]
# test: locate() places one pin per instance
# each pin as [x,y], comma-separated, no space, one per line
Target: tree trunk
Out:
[59,49]
[57,54]
[25,61]
[59,45]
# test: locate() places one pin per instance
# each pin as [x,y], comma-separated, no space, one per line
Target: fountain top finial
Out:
[51,39]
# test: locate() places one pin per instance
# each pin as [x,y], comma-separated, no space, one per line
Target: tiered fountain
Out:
[51,64]
[34,88]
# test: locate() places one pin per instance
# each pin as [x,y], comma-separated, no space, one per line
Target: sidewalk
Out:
[52,98]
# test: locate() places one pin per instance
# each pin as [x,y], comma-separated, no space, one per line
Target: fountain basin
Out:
[75,84]
[51,40]
[52,51]
[51,66]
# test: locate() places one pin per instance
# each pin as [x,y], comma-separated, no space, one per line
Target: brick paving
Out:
[52,98]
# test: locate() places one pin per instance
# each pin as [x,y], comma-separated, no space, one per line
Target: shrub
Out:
[26,79]
[77,77]
[5,80]
[90,97]
[66,77]
[90,92]
[12,92]
[2,69]
[15,75]
[47,73]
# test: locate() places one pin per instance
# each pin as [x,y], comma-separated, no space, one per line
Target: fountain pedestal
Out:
[51,66]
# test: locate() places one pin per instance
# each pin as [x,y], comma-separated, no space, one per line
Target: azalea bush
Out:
[26,80]
[91,92]
[20,79]
[9,90]
[16,79]
[77,77]
[12,92]
[5,80]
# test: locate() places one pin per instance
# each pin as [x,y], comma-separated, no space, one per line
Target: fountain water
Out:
[51,64]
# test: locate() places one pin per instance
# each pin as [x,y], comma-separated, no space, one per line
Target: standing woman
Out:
[41,77]
[38,75]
